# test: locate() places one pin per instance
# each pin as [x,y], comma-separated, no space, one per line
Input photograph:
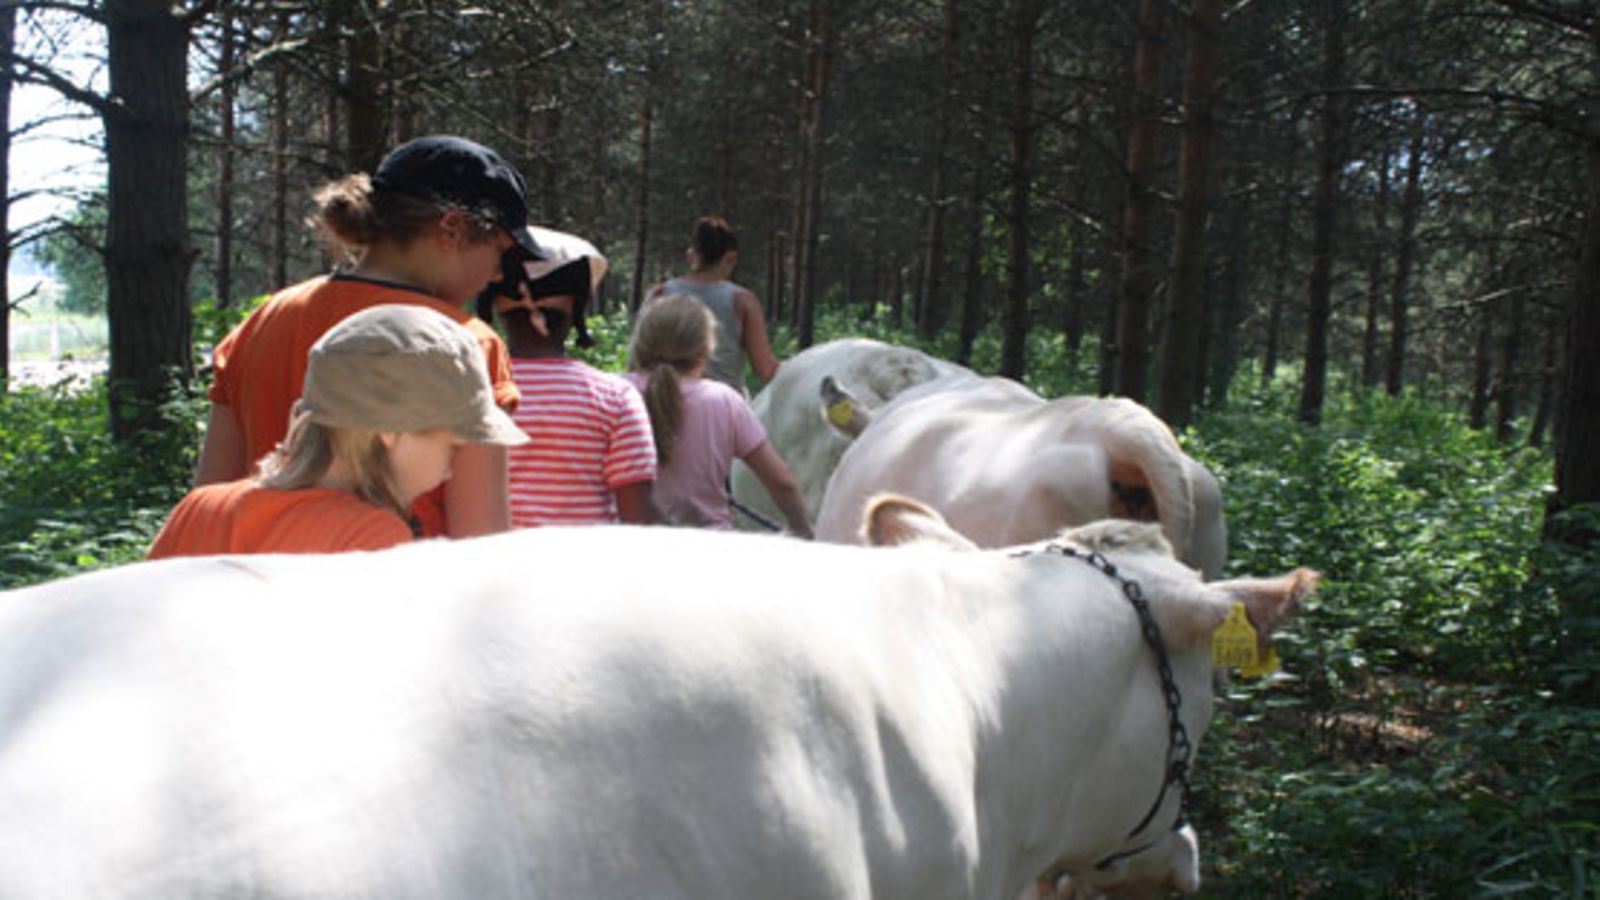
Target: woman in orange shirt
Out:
[390,393]
[431,228]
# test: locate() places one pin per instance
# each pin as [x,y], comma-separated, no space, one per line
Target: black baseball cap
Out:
[454,169]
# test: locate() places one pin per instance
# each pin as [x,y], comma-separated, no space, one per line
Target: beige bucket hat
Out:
[397,367]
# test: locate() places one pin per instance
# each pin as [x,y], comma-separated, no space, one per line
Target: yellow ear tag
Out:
[1234,644]
[1267,666]
[841,413]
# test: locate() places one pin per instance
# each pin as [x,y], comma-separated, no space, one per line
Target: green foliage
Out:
[1052,371]
[71,498]
[75,255]
[610,350]
[1571,567]
[1420,744]
[212,323]
[1422,526]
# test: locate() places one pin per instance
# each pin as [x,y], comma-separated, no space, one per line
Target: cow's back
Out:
[576,712]
[455,719]
[789,408]
[966,447]
[1006,466]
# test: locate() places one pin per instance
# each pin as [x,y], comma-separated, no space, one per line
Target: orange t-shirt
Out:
[261,364]
[243,517]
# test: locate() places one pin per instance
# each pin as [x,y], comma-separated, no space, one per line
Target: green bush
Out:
[70,497]
[1420,744]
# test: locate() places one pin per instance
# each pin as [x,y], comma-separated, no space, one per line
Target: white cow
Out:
[1006,466]
[605,713]
[872,372]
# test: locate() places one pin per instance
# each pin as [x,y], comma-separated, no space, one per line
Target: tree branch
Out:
[1557,116]
[21,131]
[85,10]
[199,11]
[14,304]
[1570,20]
[35,73]
[246,68]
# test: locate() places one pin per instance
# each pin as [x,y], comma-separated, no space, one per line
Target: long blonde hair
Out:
[673,334]
[312,448]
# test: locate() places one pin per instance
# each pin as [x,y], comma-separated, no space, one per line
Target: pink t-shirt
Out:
[588,435]
[718,427]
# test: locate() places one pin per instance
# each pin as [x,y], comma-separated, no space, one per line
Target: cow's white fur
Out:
[1006,466]
[871,371]
[590,712]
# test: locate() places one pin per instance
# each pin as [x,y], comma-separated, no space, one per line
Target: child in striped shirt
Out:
[589,458]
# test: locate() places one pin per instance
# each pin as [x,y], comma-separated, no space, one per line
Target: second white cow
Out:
[1006,466]
[872,372]
[560,713]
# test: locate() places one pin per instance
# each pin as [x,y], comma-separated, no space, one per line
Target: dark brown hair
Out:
[352,215]
[713,238]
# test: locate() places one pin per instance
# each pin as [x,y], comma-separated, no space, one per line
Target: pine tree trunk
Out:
[1077,278]
[1014,342]
[874,278]
[1577,443]
[801,166]
[897,293]
[1182,379]
[366,120]
[404,108]
[934,305]
[1482,369]
[1224,362]
[280,160]
[1375,256]
[1325,216]
[1272,350]
[549,170]
[1549,382]
[1138,278]
[821,48]
[774,273]
[223,273]
[972,297]
[8,41]
[1410,210]
[641,232]
[1510,363]
[147,252]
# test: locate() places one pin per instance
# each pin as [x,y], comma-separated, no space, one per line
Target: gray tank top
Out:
[727,358]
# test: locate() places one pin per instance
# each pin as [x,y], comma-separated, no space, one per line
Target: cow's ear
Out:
[1269,601]
[841,410]
[892,520]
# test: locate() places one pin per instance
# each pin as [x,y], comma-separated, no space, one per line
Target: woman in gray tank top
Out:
[741,324]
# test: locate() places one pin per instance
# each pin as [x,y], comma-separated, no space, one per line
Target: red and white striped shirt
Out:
[589,435]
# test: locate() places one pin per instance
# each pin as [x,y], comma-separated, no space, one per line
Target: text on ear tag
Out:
[1267,665]
[1234,643]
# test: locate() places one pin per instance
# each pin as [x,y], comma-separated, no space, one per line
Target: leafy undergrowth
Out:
[71,498]
[1431,735]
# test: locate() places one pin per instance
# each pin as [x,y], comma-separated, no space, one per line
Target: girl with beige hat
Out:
[389,394]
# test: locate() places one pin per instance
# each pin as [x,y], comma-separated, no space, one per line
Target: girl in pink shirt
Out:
[700,426]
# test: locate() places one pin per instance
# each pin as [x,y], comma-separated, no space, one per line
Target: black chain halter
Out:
[1179,748]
